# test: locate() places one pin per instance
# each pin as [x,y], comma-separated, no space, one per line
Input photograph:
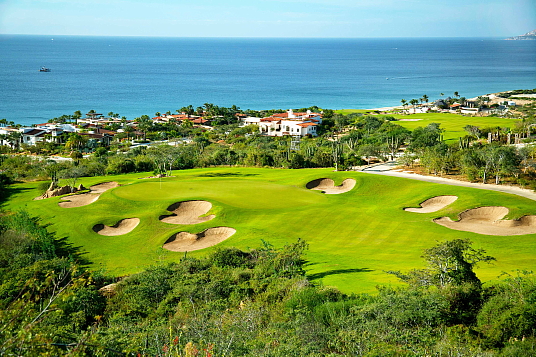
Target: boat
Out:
[44,69]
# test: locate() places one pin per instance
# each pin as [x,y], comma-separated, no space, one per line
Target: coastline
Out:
[494,99]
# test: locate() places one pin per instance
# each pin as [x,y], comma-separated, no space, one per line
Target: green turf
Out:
[354,237]
[452,123]
[351,111]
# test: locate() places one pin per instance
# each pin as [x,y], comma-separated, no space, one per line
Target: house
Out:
[467,110]
[97,138]
[288,123]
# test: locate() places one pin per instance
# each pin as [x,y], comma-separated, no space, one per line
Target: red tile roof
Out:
[200,121]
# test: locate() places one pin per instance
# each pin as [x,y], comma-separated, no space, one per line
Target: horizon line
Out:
[259,37]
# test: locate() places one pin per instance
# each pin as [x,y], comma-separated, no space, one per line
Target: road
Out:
[387,170]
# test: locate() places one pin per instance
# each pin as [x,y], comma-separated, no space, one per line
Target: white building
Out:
[289,123]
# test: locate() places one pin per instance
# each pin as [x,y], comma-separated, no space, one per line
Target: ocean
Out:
[133,76]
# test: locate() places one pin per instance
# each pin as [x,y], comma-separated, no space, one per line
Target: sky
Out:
[269,18]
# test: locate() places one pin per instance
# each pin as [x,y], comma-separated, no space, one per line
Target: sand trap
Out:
[488,220]
[327,186]
[433,204]
[186,242]
[188,212]
[85,199]
[124,226]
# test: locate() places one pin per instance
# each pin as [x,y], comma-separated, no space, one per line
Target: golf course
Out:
[451,123]
[355,232]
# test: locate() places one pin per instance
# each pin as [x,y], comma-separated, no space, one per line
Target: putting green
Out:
[353,237]
[233,192]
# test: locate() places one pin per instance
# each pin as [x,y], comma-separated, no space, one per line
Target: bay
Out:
[133,76]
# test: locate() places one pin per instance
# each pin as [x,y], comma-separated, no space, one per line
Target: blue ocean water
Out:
[135,76]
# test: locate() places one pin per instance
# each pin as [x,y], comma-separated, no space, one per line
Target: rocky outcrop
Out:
[55,191]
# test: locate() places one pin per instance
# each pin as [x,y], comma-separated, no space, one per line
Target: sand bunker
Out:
[327,186]
[188,212]
[187,242]
[433,204]
[488,220]
[124,226]
[85,199]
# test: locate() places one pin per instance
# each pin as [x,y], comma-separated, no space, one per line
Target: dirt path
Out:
[501,188]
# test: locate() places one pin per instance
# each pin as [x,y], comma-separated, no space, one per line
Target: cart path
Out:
[492,187]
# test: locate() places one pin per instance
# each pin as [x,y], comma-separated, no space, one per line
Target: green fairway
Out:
[354,237]
[452,123]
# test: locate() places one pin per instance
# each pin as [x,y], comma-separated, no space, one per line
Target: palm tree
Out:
[14,139]
[425,98]
[76,142]
[414,102]
[128,130]
[189,110]
[456,94]
[404,103]
[144,124]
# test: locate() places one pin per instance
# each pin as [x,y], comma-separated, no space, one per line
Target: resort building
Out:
[289,123]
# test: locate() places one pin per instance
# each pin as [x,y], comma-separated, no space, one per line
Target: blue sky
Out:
[269,18]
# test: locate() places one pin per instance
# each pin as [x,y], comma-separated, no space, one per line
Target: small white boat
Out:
[44,69]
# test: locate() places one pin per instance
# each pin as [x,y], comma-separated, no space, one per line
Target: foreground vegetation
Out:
[256,302]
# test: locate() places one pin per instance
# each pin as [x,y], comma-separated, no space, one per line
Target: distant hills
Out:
[528,36]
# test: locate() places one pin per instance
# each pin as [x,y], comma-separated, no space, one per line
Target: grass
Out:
[354,237]
[452,123]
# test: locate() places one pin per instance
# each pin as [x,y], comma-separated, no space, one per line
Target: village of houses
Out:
[288,123]
[92,127]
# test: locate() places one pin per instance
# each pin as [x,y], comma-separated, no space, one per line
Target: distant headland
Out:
[528,36]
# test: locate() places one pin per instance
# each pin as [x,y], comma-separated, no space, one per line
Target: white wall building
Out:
[289,123]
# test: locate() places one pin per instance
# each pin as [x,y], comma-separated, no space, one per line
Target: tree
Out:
[128,130]
[414,102]
[425,98]
[14,138]
[424,137]
[76,142]
[188,110]
[473,131]
[404,103]
[144,124]
[368,151]
[448,263]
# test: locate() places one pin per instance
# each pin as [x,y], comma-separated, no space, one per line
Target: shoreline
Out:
[493,99]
